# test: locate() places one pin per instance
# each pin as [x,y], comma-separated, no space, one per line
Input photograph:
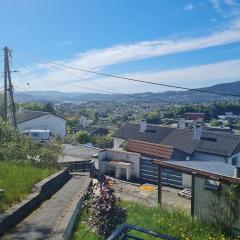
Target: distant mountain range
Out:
[165,97]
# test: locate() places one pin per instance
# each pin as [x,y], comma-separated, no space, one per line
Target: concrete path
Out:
[45,220]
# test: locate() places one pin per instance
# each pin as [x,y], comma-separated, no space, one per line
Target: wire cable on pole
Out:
[127,78]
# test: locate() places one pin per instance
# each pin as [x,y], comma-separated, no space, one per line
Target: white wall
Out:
[120,156]
[55,124]
[186,180]
[117,142]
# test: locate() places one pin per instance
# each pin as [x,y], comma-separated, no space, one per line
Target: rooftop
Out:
[27,115]
[211,169]
[75,153]
[217,143]
[156,150]
[23,116]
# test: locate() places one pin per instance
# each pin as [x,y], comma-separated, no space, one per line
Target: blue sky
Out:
[186,43]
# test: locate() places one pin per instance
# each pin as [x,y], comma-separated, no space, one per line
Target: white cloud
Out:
[226,8]
[192,77]
[195,76]
[216,5]
[189,7]
[98,59]
[230,2]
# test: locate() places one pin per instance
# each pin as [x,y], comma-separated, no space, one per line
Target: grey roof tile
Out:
[223,144]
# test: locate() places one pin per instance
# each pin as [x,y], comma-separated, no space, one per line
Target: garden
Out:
[23,163]
[103,212]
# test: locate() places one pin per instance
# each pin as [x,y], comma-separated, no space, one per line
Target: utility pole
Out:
[8,87]
[5,84]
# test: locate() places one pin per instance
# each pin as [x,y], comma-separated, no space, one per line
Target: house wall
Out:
[117,142]
[204,201]
[120,156]
[55,124]
[237,162]
[186,180]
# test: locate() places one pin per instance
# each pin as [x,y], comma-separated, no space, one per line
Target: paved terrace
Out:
[148,194]
[75,153]
[44,222]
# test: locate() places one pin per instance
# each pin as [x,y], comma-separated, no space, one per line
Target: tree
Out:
[71,123]
[48,107]
[153,117]
[83,137]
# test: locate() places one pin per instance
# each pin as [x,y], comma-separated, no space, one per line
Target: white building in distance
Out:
[30,120]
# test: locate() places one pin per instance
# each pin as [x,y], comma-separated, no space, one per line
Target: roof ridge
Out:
[156,144]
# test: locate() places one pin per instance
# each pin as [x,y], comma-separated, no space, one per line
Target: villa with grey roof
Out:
[164,143]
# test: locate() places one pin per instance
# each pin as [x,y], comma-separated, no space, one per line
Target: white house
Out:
[29,120]
[153,142]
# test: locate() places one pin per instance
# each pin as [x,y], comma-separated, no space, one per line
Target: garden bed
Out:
[17,180]
[174,223]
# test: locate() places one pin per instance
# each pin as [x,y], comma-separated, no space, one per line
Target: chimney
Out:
[197,132]
[143,125]
[181,124]
[237,171]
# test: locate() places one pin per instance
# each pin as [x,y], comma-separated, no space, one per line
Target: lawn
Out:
[174,223]
[17,179]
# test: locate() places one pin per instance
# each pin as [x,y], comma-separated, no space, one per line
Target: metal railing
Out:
[79,166]
[122,233]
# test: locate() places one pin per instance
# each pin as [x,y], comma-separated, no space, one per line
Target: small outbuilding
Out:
[215,190]
[119,164]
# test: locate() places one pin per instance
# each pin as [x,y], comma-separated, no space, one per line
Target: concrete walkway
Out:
[42,223]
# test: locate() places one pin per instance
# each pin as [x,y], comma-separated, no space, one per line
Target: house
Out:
[213,199]
[196,143]
[30,120]
[92,130]
[229,116]
[194,116]
[158,142]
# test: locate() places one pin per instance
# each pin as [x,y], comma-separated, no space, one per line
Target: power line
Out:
[50,65]
[88,88]
[21,75]
[130,79]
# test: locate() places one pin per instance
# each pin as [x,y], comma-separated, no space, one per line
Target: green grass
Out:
[17,179]
[175,223]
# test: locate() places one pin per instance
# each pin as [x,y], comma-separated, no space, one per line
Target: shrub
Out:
[83,137]
[103,212]
[16,146]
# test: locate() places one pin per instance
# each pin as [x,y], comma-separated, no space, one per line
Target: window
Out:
[34,134]
[235,161]
[212,185]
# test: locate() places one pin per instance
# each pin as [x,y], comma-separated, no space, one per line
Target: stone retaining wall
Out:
[43,191]
[66,228]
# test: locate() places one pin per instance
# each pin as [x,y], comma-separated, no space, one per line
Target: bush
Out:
[70,139]
[103,212]
[83,137]
[16,146]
